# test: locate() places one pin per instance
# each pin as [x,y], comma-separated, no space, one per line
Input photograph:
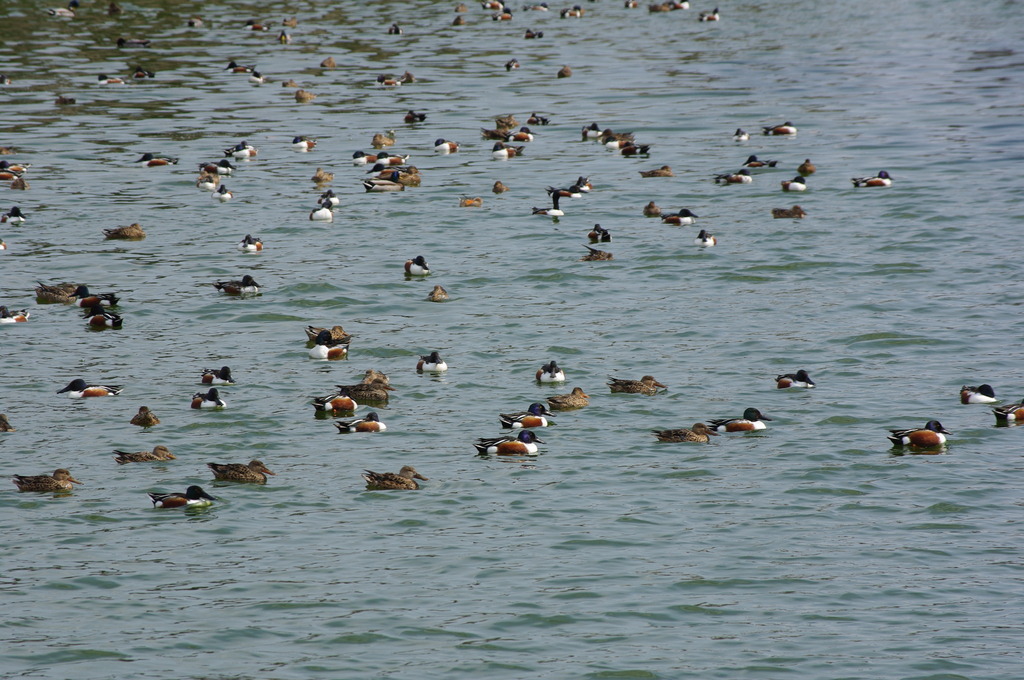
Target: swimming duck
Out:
[534,119]
[371,423]
[786,128]
[303,143]
[149,160]
[235,67]
[194,497]
[564,72]
[60,480]
[322,177]
[741,177]
[705,239]
[982,394]
[523,443]
[417,266]
[439,294]
[1009,413]
[407,176]
[645,385]
[931,435]
[324,213]
[502,152]
[403,479]
[795,184]
[467,202]
[599,235]
[88,300]
[882,179]
[501,134]
[68,11]
[291,22]
[534,416]
[132,42]
[384,184]
[145,418]
[663,171]
[99,317]
[242,150]
[796,212]
[806,168]
[595,255]
[615,140]
[499,187]
[195,22]
[221,167]
[14,216]
[681,218]
[17,316]
[740,135]
[574,12]
[523,135]
[372,390]
[253,25]
[327,348]
[5,425]
[338,401]
[511,64]
[159,452]
[329,199]
[565,402]
[222,194]
[211,399]
[635,149]
[550,373]
[709,16]
[381,140]
[752,420]
[216,376]
[431,363]
[798,379]
[63,293]
[133,232]
[388,81]
[253,472]
[413,117]
[699,433]
[753,162]
[247,286]
[284,38]
[304,96]
[78,389]
[445,146]
[652,210]
[250,244]
[337,333]
[553,211]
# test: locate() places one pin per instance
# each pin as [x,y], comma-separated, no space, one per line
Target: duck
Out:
[786,128]
[645,385]
[1009,413]
[571,192]
[652,210]
[159,452]
[337,333]
[503,14]
[752,420]
[467,202]
[384,184]
[242,150]
[553,211]
[363,158]
[304,96]
[68,11]
[222,194]
[329,62]
[705,239]
[133,42]
[592,131]
[444,146]
[328,197]
[431,363]
[62,293]
[209,399]
[407,176]
[5,425]
[15,316]
[595,255]
[86,299]
[740,135]
[247,286]
[250,244]
[403,479]
[216,376]
[499,187]
[412,117]
[511,64]
[635,149]
[741,177]
[321,176]
[193,497]
[99,317]
[385,160]
[564,72]
[78,389]
[534,119]
[253,472]
[138,72]
[337,401]
[684,217]
[290,22]
[133,232]
[806,168]
[3,244]
[798,379]
[574,12]
[417,266]
[382,140]
[550,373]
[599,235]
[253,25]
[388,81]
[60,480]
[371,423]
[145,418]
[523,135]
[536,415]
[150,160]
[372,390]
[796,212]
[982,394]
[524,443]
[566,402]
[195,22]
[284,38]
[322,214]
[438,294]
[882,179]
[221,167]
[327,348]
[14,216]
[502,152]
[795,184]
[699,433]
[929,436]
[303,143]
[501,134]
[663,171]
[235,67]
[753,162]
[709,16]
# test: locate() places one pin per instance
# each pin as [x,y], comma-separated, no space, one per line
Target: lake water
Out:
[810,549]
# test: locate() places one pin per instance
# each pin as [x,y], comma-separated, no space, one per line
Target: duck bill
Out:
[74,481]
[658,384]
[419,476]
